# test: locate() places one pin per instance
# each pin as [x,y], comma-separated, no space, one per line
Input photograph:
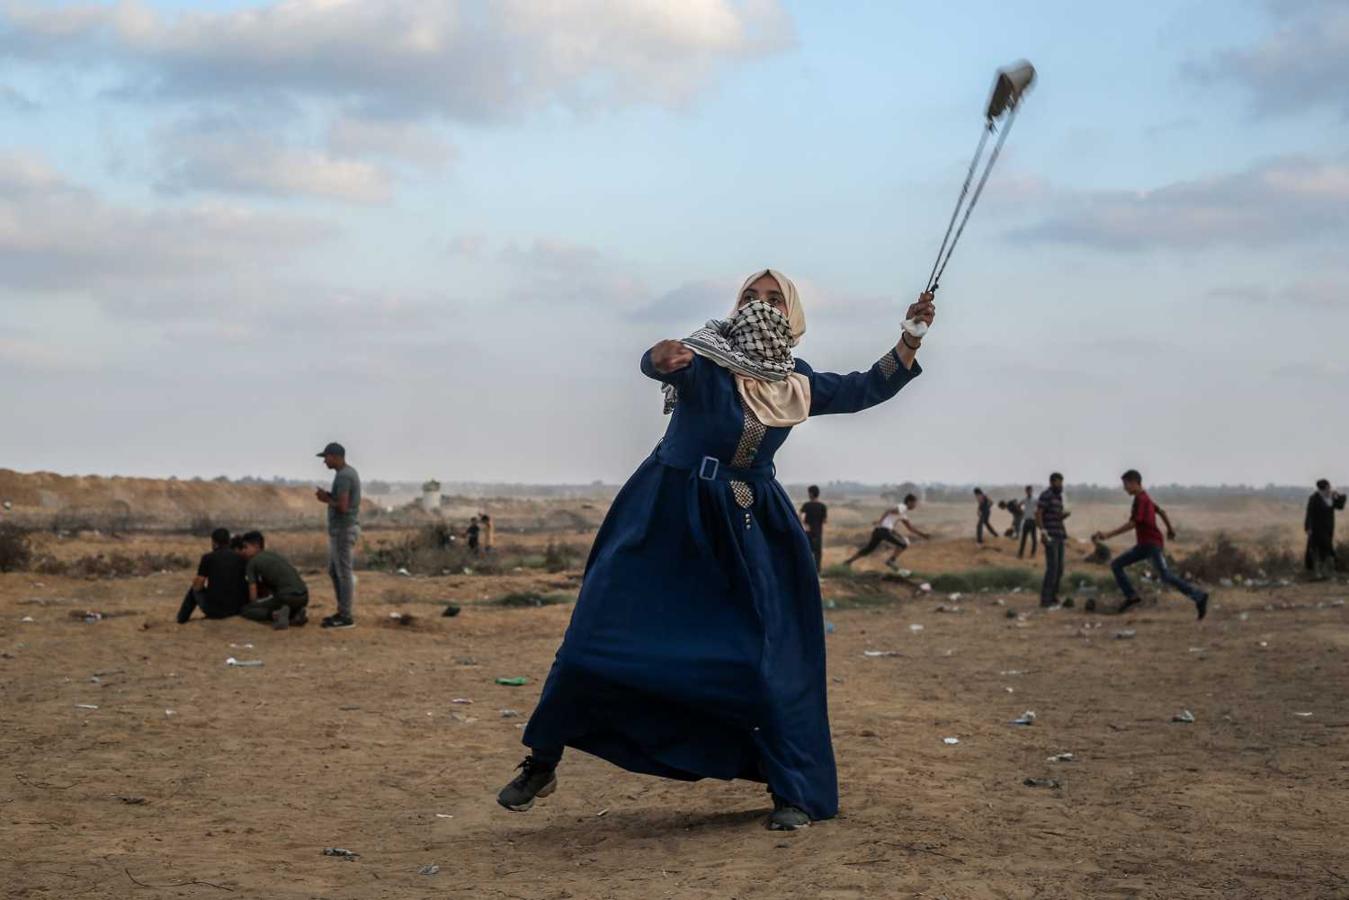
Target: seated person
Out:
[219,590]
[276,592]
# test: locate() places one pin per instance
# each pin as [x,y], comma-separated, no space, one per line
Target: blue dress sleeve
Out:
[832,393]
[680,378]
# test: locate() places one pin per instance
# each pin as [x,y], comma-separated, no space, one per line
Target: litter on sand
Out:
[1125,634]
[461,701]
[1060,757]
[243,663]
[85,706]
[915,628]
[875,653]
[241,646]
[950,740]
[1305,715]
[1026,718]
[517,681]
[510,714]
[1183,716]
[428,870]
[444,816]
[1042,782]
[341,853]
[451,611]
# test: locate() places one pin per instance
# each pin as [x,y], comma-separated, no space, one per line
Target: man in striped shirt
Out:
[1049,516]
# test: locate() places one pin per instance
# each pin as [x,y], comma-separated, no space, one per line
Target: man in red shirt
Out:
[1143,521]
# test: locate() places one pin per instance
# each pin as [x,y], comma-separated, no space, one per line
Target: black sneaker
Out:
[281,618]
[337,620]
[1129,603]
[299,617]
[534,781]
[1201,604]
[786,817]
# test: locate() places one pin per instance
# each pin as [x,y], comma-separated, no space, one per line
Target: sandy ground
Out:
[194,779]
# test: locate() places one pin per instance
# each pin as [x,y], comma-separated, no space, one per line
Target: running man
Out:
[813,515]
[1143,521]
[985,507]
[886,530]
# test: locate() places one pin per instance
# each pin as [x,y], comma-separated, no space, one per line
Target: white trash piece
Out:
[244,663]
[950,740]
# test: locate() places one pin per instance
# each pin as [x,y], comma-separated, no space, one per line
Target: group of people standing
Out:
[241,577]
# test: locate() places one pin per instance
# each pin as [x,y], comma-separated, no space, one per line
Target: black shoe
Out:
[1067,603]
[281,618]
[786,817]
[1201,604]
[534,781]
[337,620]
[299,617]
[1129,603]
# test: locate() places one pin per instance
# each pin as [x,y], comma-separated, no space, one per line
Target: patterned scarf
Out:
[755,342]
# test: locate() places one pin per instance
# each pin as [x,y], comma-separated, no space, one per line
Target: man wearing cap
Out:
[344,504]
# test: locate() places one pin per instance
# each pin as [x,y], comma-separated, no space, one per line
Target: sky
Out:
[443,233]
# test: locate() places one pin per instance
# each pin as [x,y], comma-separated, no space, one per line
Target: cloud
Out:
[202,157]
[555,271]
[14,101]
[1302,65]
[1282,201]
[57,235]
[404,142]
[462,61]
[1322,293]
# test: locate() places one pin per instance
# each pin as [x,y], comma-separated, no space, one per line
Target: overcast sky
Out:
[443,232]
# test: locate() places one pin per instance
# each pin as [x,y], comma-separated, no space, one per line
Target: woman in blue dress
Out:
[696,648]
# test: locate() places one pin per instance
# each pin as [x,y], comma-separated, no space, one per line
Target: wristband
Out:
[904,339]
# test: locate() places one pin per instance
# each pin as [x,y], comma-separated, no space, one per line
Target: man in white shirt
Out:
[886,530]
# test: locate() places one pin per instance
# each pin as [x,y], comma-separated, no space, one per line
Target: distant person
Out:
[1150,545]
[219,590]
[985,508]
[1017,512]
[886,530]
[276,592]
[813,516]
[488,533]
[1319,524]
[1049,519]
[344,530]
[1028,526]
[473,534]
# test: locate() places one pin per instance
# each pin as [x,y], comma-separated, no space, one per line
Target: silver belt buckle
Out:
[703,473]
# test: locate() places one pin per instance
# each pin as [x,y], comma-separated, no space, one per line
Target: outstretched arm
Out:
[668,361]
[832,393]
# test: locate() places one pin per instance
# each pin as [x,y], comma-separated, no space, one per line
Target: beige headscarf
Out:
[778,404]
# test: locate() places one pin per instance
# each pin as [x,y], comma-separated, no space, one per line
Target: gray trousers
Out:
[341,563]
[1049,590]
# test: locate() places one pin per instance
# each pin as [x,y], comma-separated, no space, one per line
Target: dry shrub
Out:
[113,565]
[16,553]
[1222,558]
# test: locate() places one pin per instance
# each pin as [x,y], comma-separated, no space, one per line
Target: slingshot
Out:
[1011,84]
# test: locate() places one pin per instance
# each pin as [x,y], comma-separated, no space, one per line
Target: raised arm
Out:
[832,393]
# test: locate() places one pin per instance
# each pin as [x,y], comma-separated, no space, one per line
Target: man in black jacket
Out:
[1320,527]
[219,589]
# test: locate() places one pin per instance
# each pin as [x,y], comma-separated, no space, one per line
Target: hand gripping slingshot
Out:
[1012,83]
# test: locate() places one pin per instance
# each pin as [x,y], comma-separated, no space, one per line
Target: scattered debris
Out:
[943,608]
[950,740]
[1026,718]
[90,616]
[428,870]
[85,706]
[451,610]
[510,714]
[444,816]
[132,801]
[405,573]
[170,712]
[27,619]
[402,618]
[1009,689]
[465,661]
[915,628]
[602,813]
[1125,634]
[241,646]
[463,701]
[1011,672]
[1060,757]
[348,855]
[1183,716]
[1305,715]
[517,681]
[925,587]
[243,663]
[1042,783]
[875,653]
[1011,614]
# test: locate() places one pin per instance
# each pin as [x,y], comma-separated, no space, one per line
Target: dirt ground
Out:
[192,778]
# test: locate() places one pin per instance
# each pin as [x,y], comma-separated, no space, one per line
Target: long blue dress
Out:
[696,648]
